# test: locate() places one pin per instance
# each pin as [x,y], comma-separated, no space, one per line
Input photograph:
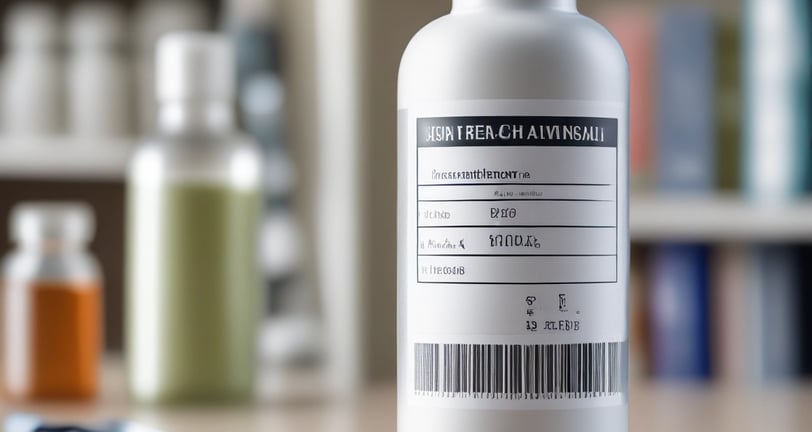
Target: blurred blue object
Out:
[680,326]
[262,101]
[21,423]
[33,423]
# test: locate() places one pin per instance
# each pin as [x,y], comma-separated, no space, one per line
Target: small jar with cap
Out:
[193,209]
[51,304]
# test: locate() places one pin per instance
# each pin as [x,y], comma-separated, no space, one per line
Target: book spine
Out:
[686,160]
[802,307]
[728,104]
[639,347]
[777,99]
[679,312]
[731,335]
[635,30]
[776,296]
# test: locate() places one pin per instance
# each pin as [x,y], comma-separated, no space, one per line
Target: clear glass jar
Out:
[51,304]
[194,202]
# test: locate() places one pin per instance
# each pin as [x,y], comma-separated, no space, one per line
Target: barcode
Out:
[564,371]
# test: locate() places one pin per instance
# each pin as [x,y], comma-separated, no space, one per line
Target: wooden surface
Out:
[654,408]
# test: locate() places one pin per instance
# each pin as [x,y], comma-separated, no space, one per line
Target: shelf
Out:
[64,159]
[718,218]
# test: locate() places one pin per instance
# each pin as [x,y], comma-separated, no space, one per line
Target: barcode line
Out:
[574,371]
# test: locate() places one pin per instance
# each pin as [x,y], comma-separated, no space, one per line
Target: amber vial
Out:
[51,304]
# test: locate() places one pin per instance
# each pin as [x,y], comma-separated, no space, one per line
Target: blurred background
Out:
[720,221]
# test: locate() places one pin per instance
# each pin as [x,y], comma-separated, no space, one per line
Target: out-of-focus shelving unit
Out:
[718,218]
[64,159]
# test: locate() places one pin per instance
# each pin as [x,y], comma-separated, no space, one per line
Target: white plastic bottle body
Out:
[98,95]
[481,93]
[97,72]
[31,89]
[32,93]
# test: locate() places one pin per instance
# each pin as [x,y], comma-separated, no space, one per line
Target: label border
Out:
[417,201]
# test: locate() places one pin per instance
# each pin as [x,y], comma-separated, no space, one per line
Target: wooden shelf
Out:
[59,158]
[718,218]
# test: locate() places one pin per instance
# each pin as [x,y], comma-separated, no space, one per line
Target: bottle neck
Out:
[53,246]
[483,5]
[183,117]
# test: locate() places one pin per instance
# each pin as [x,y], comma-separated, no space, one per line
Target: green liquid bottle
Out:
[193,207]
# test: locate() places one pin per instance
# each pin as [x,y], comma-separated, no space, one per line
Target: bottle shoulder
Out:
[196,157]
[23,265]
[521,55]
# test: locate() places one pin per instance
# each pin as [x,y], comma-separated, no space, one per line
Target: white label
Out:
[517,239]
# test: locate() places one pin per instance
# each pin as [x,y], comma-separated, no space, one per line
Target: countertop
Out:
[655,407]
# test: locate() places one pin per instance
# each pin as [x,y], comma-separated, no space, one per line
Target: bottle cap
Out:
[65,222]
[155,18]
[96,25]
[243,13]
[195,66]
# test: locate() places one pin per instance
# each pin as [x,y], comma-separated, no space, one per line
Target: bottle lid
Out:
[37,222]
[242,13]
[155,18]
[31,26]
[195,66]
[96,25]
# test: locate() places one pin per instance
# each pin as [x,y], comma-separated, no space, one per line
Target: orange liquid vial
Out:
[66,340]
[51,301]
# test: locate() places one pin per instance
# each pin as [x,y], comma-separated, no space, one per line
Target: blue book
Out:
[686,101]
[680,328]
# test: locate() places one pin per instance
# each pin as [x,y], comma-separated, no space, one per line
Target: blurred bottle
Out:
[194,202]
[98,72]
[32,86]
[254,26]
[52,301]
[153,19]
[262,103]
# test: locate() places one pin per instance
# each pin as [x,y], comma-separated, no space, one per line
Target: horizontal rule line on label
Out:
[516,226]
[514,184]
[515,255]
[519,283]
[513,200]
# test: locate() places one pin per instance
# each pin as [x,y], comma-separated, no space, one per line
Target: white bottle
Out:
[98,72]
[32,86]
[513,222]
